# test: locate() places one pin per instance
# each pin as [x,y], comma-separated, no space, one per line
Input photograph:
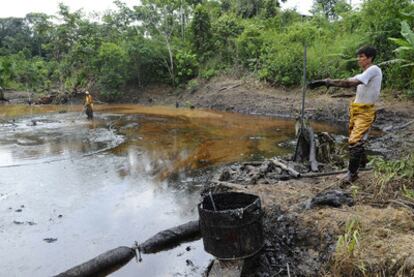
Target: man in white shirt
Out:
[361,111]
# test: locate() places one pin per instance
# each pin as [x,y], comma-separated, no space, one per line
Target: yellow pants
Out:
[361,118]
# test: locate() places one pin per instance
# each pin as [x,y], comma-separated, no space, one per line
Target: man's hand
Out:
[318,83]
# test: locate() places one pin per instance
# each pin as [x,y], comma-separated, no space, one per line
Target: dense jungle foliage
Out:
[174,41]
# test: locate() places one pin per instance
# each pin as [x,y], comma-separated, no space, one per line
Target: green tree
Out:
[6,72]
[270,8]
[64,35]
[226,29]
[40,27]
[405,55]
[381,20]
[30,73]
[331,9]
[201,32]
[110,66]
[251,8]
[250,44]
[248,8]
[162,20]
[14,35]
[119,24]
[146,61]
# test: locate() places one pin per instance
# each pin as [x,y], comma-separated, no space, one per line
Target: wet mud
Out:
[291,248]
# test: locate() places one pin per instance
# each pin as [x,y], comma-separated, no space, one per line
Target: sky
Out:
[303,6]
[19,8]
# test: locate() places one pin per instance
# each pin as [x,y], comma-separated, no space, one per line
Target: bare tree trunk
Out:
[182,19]
[170,65]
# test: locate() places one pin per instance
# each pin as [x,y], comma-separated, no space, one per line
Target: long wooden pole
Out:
[302,116]
[302,112]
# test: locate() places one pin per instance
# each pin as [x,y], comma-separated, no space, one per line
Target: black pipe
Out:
[114,259]
[170,238]
[103,264]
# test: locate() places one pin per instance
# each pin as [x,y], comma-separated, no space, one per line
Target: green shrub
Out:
[279,64]
[208,73]
[249,44]
[333,58]
[192,85]
[111,66]
[387,172]
[225,31]
[186,66]
[201,32]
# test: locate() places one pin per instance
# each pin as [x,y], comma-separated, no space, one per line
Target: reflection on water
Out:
[91,185]
[52,137]
[171,139]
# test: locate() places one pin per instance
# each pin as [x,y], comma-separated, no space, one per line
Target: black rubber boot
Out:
[364,161]
[349,178]
[356,154]
[89,112]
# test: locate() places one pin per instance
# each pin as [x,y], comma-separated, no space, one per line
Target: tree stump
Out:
[306,148]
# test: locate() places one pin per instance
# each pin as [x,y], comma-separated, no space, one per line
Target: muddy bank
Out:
[250,96]
[322,227]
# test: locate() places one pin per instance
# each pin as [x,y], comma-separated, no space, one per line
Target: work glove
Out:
[317,83]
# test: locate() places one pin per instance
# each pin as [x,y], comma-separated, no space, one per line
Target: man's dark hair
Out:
[369,51]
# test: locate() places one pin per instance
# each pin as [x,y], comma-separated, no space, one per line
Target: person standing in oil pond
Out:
[88,105]
[362,112]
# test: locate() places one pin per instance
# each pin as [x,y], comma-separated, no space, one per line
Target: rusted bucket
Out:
[231,227]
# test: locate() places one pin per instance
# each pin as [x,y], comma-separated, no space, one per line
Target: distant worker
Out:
[362,112]
[88,105]
[30,101]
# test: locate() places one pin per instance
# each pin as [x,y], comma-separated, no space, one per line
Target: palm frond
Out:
[407,33]
[399,41]
[393,61]
[404,48]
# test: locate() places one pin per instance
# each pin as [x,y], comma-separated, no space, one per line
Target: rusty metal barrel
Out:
[231,225]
